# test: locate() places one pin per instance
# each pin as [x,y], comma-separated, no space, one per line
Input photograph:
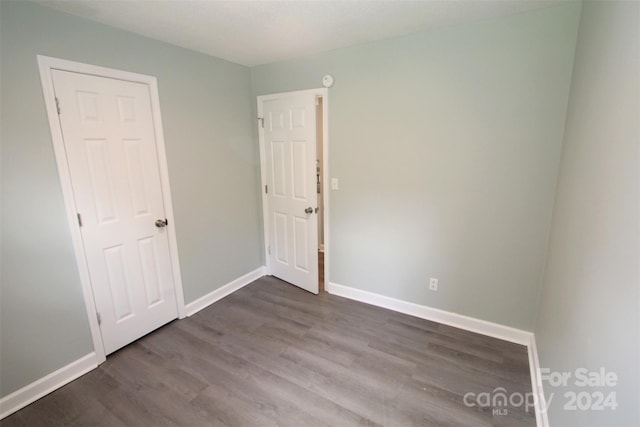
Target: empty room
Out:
[301,213]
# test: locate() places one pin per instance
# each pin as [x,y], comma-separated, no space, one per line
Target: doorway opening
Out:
[320,184]
[293,132]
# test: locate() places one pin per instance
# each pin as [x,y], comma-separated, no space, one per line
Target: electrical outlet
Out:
[433,284]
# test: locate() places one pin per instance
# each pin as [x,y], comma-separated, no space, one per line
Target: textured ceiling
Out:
[259,32]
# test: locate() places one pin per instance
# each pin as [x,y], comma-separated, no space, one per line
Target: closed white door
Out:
[108,130]
[289,141]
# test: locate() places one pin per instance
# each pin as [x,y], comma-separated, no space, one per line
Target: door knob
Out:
[308,210]
[160,223]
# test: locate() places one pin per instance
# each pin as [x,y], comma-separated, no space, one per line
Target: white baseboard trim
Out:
[483,327]
[542,419]
[45,385]
[205,301]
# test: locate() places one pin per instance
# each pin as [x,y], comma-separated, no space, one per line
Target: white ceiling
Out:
[258,32]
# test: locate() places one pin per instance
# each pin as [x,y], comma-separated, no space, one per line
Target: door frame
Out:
[319,92]
[46,64]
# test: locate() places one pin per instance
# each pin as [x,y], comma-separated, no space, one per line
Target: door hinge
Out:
[261,122]
[79,220]
[99,318]
[57,105]
[266,189]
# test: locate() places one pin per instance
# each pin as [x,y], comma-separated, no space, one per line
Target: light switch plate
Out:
[334,183]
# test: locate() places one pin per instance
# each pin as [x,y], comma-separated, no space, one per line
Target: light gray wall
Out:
[446,145]
[590,306]
[213,168]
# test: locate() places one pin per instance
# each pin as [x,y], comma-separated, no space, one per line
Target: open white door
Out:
[288,141]
[110,145]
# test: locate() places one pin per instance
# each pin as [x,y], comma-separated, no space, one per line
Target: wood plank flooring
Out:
[272,354]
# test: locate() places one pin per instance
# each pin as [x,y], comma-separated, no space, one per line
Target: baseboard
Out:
[542,419]
[45,385]
[205,301]
[483,327]
[34,391]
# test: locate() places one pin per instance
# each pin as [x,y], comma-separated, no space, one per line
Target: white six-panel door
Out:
[108,131]
[289,143]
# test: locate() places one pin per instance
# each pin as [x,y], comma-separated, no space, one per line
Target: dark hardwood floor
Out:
[272,354]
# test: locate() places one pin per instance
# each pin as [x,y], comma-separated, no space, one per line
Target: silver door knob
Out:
[308,210]
[160,223]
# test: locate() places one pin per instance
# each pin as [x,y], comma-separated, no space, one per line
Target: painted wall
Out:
[446,145]
[590,307]
[213,168]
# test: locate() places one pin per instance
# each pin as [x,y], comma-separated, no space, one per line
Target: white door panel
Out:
[289,138]
[108,130]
